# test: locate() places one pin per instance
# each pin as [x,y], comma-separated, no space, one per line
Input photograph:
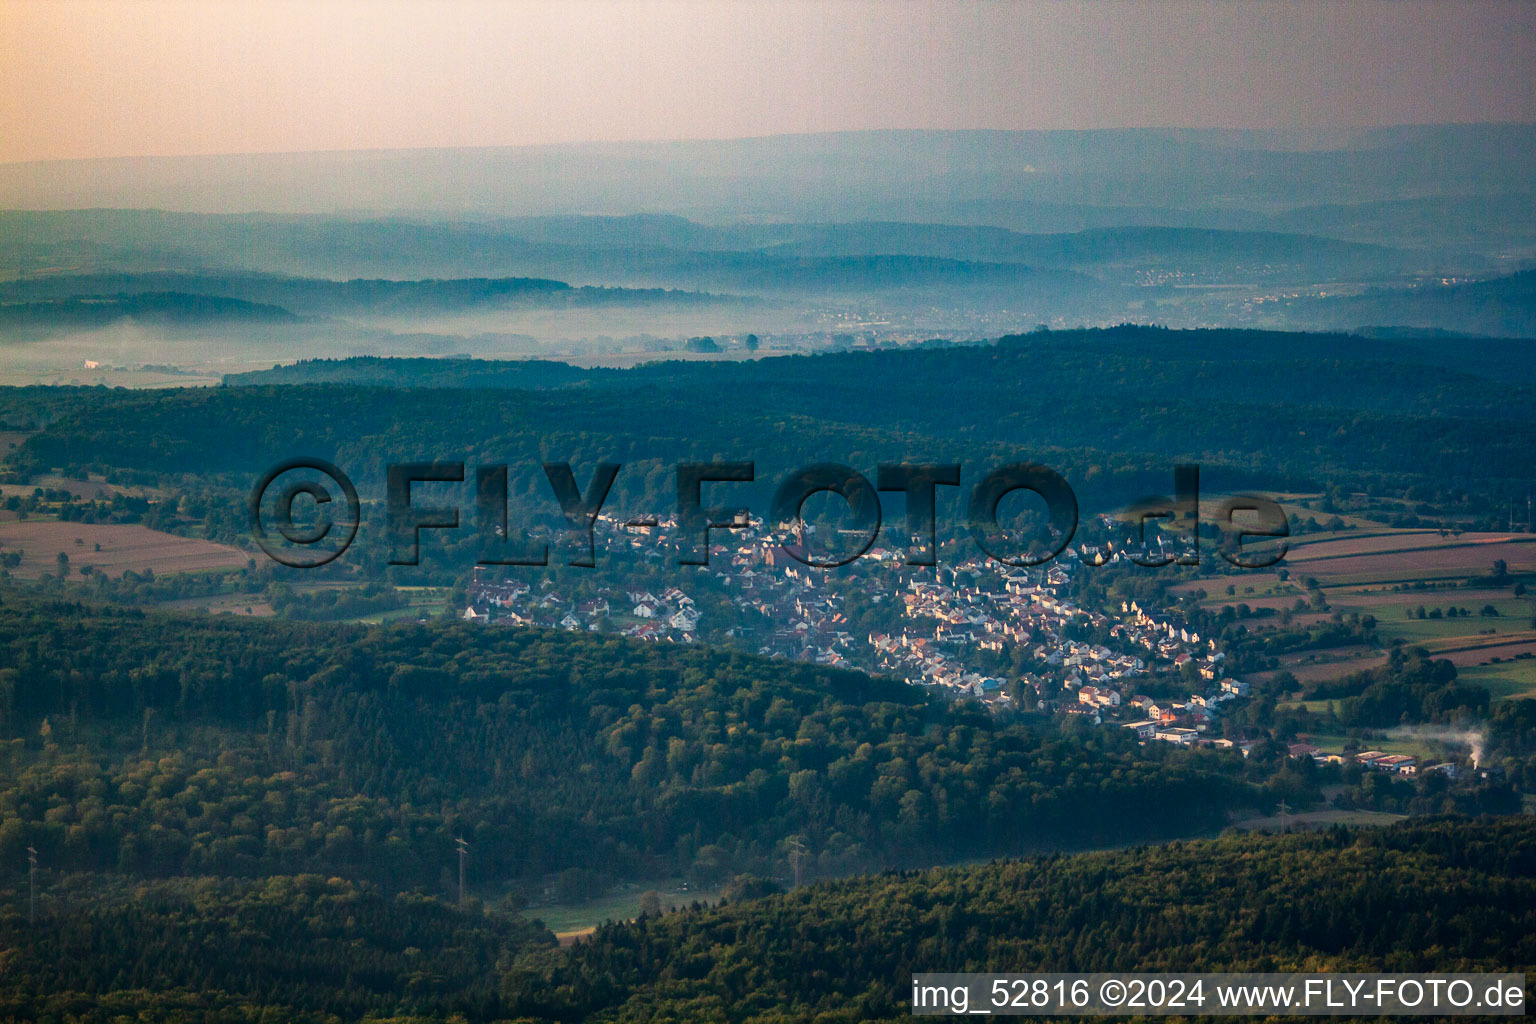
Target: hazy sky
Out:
[81,79]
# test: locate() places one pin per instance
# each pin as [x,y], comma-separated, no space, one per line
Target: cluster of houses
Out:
[1177,644]
[1184,722]
[671,615]
[940,618]
[929,661]
[958,618]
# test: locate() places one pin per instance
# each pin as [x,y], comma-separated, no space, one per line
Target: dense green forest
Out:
[426,373]
[1442,894]
[302,949]
[159,745]
[1112,410]
[1434,895]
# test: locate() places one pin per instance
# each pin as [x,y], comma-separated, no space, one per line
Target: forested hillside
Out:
[302,949]
[1438,895]
[1112,410]
[158,745]
[426,373]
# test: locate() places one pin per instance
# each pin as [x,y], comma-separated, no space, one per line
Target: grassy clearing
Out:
[223,604]
[1443,579]
[423,601]
[1391,622]
[1508,680]
[1302,505]
[1429,597]
[1321,818]
[1316,706]
[622,904]
[1245,585]
[1424,750]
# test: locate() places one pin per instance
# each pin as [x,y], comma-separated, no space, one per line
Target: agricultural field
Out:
[110,548]
[1409,556]
[1329,663]
[1423,587]
[1248,587]
[10,439]
[86,490]
[1278,602]
[1338,544]
[1441,593]
[223,604]
[1430,631]
[1301,505]
[1506,680]
[1485,649]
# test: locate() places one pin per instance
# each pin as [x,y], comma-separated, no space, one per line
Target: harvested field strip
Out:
[1337,549]
[122,548]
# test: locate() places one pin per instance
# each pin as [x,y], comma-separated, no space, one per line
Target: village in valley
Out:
[975,629]
[1053,639]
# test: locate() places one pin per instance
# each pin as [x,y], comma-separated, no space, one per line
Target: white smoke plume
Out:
[1470,737]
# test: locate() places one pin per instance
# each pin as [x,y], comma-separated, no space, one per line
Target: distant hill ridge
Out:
[424,373]
[168,308]
[320,296]
[1497,359]
[1054,178]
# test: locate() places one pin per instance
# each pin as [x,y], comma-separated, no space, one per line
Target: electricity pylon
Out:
[796,855]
